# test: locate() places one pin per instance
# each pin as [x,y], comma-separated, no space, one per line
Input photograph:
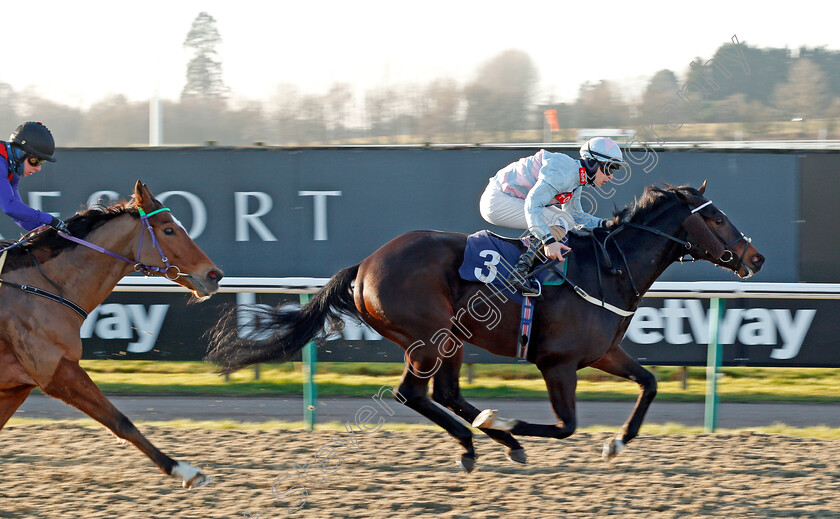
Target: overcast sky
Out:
[79,52]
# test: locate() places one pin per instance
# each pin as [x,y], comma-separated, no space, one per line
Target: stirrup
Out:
[530,292]
[527,286]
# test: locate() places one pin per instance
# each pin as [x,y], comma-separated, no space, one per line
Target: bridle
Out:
[706,239]
[693,223]
[138,266]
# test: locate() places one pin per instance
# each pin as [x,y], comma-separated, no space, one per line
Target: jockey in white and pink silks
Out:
[542,193]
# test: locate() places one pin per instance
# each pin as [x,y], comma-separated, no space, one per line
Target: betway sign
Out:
[686,321]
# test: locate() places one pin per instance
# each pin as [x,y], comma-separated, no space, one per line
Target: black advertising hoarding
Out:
[311,212]
[672,331]
[276,212]
[819,235]
[154,326]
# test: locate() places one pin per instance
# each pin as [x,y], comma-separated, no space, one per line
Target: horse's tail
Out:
[277,334]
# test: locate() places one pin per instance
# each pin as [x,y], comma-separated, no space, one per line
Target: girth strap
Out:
[525,328]
[49,295]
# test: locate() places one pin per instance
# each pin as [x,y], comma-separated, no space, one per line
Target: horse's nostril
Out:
[214,275]
[758,260]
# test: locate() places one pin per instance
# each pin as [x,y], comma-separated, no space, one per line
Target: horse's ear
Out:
[138,192]
[142,196]
[702,189]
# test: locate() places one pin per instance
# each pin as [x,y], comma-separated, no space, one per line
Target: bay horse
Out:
[40,341]
[411,293]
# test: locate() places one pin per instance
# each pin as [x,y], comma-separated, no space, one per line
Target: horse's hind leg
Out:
[72,384]
[617,362]
[446,390]
[413,390]
[561,382]
[10,400]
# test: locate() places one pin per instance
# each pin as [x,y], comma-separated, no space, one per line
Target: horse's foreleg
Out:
[71,384]
[617,362]
[10,400]
[446,391]
[413,390]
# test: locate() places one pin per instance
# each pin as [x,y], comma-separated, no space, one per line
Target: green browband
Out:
[143,213]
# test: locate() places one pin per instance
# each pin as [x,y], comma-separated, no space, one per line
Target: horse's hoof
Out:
[485,419]
[612,448]
[517,455]
[198,481]
[191,476]
[489,419]
[466,463]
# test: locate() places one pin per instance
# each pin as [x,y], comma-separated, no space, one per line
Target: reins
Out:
[138,266]
[693,224]
[34,233]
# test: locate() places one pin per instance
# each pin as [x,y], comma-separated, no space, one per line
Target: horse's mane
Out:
[49,244]
[652,199]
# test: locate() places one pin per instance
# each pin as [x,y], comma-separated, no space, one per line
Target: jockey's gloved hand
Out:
[59,225]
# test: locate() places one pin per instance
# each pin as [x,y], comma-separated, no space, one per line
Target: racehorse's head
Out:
[713,236]
[187,264]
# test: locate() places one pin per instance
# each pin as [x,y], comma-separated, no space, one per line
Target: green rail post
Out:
[310,396]
[713,359]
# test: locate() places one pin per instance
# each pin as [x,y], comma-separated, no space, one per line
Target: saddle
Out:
[489,259]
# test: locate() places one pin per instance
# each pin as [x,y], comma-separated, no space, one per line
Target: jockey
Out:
[29,146]
[542,193]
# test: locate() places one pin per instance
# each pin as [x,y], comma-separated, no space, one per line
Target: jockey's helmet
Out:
[34,139]
[601,151]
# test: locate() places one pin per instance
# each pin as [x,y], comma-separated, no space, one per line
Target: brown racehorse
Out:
[410,292]
[39,336]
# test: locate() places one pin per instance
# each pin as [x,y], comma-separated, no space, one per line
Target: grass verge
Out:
[737,384]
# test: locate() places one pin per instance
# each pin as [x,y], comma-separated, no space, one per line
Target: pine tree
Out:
[204,70]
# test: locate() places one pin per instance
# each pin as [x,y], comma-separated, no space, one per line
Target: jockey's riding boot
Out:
[516,279]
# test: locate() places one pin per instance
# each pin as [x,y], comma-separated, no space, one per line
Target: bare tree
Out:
[659,101]
[8,115]
[500,97]
[440,104]
[64,122]
[245,125]
[804,94]
[381,109]
[337,101]
[115,121]
[599,105]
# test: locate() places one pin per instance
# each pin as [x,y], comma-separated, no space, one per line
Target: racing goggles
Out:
[34,161]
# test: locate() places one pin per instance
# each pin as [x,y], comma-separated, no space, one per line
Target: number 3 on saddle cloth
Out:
[489,258]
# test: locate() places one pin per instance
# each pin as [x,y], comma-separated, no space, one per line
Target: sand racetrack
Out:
[64,470]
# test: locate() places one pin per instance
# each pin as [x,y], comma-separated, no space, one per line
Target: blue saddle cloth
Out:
[489,258]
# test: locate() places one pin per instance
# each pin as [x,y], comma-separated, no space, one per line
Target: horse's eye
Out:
[169,231]
[719,220]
